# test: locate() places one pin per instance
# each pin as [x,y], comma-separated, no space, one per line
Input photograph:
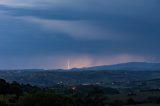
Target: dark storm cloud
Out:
[98,28]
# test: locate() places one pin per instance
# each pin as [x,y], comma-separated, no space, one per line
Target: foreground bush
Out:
[45,99]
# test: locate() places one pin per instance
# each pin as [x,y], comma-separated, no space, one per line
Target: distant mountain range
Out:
[103,75]
[131,66]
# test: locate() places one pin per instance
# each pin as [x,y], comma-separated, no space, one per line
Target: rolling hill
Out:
[131,66]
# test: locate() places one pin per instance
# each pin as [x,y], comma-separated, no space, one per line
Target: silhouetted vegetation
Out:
[45,99]
[15,94]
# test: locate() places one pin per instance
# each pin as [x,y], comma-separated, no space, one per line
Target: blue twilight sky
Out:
[48,33]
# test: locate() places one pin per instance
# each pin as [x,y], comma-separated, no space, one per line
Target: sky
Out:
[47,33]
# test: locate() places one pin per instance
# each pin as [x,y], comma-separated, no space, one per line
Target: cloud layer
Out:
[44,34]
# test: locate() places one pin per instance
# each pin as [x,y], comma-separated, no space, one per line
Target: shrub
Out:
[45,99]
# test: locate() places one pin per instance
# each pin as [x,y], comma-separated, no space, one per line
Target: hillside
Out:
[131,66]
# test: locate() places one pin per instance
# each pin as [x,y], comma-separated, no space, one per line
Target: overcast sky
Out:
[48,33]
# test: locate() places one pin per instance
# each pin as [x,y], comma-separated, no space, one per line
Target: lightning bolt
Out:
[68,64]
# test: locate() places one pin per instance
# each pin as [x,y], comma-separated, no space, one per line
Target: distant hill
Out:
[125,75]
[100,75]
[131,66]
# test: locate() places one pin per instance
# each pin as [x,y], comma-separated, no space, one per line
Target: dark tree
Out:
[131,101]
[16,89]
[45,99]
[93,98]
[4,87]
